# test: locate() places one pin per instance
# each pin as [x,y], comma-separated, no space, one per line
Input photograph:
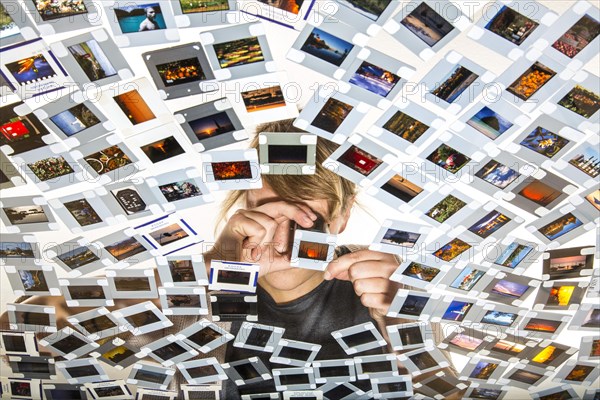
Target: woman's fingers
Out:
[281,211]
[373,285]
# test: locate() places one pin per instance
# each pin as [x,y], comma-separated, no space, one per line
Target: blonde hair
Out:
[324,184]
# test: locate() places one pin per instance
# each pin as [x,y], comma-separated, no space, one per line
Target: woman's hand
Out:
[369,271]
[250,234]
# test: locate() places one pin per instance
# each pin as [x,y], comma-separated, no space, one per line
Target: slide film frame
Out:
[56,76]
[137,374]
[156,36]
[150,229]
[261,396]
[509,344]
[526,253]
[485,174]
[491,293]
[447,307]
[585,254]
[588,349]
[37,166]
[67,367]
[441,200]
[86,203]
[94,318]
[345,389]
[300,394]
[340,370]
[358,345]
[429,388]
[220,311]
[65,23]
[190,292]
[468,342]
[540,15]
[238,32]
[547,292]
[343,32]
[30,250]
[17,112]
[20,275]
[99,390]
[400,335]
[190,19]
[583,320]
[27,343]
[561,187]
[13,386]
[552,363]
[139,276]
[77,257]
[567,136]
[85,345]
[27,30]
[490,318]
[112,347]
[420,274]
[144,393]
[325,249]
[404,300]
[156,348]
[387,190]
[555,391]
[188,185]
[524,66]
[196,262]
[13,309]
[36,203]
[588,201]
[247,276]
[465,250]
[281,374]
[318,115]
[388,245]
[201,365]
[127,201]
[561,217]
[469,372]
[174,144]
[253,362]
[444,68]
[412,360]
[266,153]
[389,387]
[283,347]
[117,66]
[172,89]
[258,337]
[402,140]
[568,165]
[362,369]
[17,365]
[93,292]
[564,25]
[564,374]
[146,307]
[478,390]
[151,111]
[247,160]
[188,116]
[208,341]
[252,91]
[381,61]
[459,23]
[193,390]
[381,158]
[345,12]
[113,243]
[276,14]
[82,104]
[559,320]
[118,152]
[579,121]
[10,174]
[593,290]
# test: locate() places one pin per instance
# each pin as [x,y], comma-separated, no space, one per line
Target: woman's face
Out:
[275,258]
